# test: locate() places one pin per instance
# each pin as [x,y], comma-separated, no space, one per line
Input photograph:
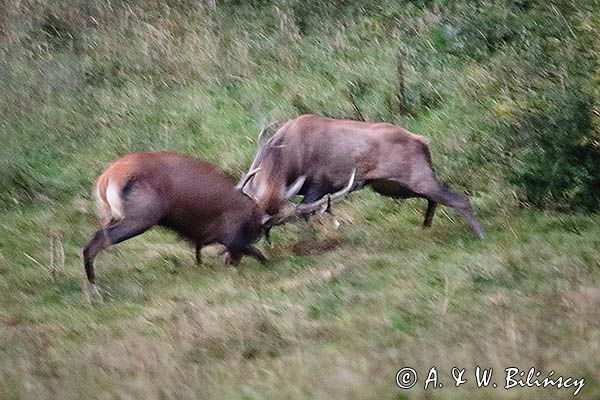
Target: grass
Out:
[312,324]
[334,317]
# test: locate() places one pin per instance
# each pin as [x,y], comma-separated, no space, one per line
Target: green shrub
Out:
[560,163]
[541,93]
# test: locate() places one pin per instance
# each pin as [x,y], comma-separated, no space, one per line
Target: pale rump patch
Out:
[114,200]
[102,207]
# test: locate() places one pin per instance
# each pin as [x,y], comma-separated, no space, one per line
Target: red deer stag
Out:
[314,154]
[189,196]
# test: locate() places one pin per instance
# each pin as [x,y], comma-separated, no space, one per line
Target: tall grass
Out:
[513,70]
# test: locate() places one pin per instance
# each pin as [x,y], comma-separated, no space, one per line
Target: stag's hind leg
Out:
[97,243]
[118,232]
[399,190]
[141,211]
[436,192]
[429,188]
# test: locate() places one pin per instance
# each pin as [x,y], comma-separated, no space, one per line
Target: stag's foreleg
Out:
[198,254]
[315,191]
[234,255]
[431,205]
[239,245]
[256,253]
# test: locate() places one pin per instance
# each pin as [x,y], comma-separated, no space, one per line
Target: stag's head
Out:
[266,181]
[289,211]
[268,192]
[266,185]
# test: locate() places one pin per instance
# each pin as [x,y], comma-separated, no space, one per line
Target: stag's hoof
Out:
[92,294]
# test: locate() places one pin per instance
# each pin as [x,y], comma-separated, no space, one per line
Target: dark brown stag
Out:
[189,196]
[314,155]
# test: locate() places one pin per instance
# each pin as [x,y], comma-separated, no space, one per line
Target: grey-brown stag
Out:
[313,156]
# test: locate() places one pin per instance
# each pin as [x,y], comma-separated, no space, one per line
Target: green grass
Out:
[333,317]
[313,324]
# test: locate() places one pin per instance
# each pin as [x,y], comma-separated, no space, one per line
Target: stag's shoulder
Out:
[301,126]
[398,133]
[309,118]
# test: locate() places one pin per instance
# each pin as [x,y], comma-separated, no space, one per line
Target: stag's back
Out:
[192,197]
[325,149]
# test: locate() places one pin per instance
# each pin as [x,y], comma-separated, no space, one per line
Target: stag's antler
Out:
[309,208]
[262,145]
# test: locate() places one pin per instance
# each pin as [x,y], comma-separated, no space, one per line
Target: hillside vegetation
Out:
[508,92]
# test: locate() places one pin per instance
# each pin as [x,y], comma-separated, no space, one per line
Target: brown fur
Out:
[189,196]
[390,159]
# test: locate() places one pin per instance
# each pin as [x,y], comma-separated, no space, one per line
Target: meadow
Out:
[508,94]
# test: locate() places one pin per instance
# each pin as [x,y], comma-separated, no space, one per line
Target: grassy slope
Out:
[332,319]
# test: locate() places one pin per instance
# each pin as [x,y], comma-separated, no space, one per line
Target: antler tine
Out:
[261,144]
[263,130]
[312,207]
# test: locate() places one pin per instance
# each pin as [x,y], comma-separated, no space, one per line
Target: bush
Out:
[543,131]
[560,164]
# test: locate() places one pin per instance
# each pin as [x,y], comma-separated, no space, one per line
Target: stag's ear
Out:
[242,184]
[246,192]
[249,195]
[293,190]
